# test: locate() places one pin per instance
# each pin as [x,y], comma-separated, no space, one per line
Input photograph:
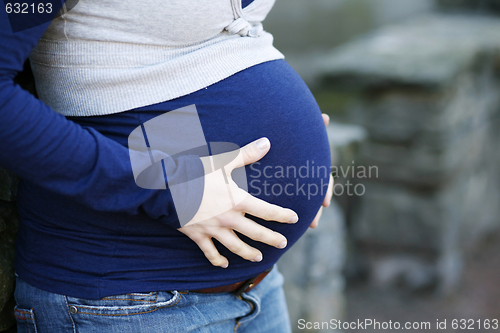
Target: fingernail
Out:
[258,258]
[263,143]
[282,244]
[224,266]
[294,219]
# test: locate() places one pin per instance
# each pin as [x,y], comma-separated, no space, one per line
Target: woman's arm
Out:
[47,149]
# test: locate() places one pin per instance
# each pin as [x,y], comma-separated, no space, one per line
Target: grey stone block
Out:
[8,185]
[428,51]
[344,142]
[428,97]
[473,5]
[8,230]
[404,271]
[398,217]
[313,271]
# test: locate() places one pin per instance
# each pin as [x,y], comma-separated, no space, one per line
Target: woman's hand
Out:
[220,214]
[329,192]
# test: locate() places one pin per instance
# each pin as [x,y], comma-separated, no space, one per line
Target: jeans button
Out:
[73,309]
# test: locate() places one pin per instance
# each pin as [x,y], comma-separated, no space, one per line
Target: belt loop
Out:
[250,283]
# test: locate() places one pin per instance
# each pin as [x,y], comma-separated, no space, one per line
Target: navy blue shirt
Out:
[245,3]
[87,230]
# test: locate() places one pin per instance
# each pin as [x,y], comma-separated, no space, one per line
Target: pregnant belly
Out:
[271,100]
[268,100]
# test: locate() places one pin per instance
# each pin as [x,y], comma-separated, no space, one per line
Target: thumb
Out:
[326,118]
[252,152]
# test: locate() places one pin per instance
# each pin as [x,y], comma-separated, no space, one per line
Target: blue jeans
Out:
[262,310]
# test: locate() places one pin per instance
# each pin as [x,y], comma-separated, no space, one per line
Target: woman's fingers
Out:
[329,193]
[206,245]
[326,118]
[267,211]
[326,203]
[315,222]
[259,233]
[234,244]
[250,153]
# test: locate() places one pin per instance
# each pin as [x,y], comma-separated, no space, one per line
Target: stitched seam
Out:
[69,314]
[141,294]
[254,312]
[258,290]
[128,314]
[237,10]
[81,66]
[104,42]
[250,305]
[237,324]
[63,13]
[33,319]
[130,299]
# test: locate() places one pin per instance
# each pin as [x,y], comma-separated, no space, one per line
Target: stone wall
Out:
[9,223]
[313,267]
[304,30]
[475,5]
[8,229]
[427,91]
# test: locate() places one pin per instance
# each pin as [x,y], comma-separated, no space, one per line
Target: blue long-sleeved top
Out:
[87,230]
[45,148]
